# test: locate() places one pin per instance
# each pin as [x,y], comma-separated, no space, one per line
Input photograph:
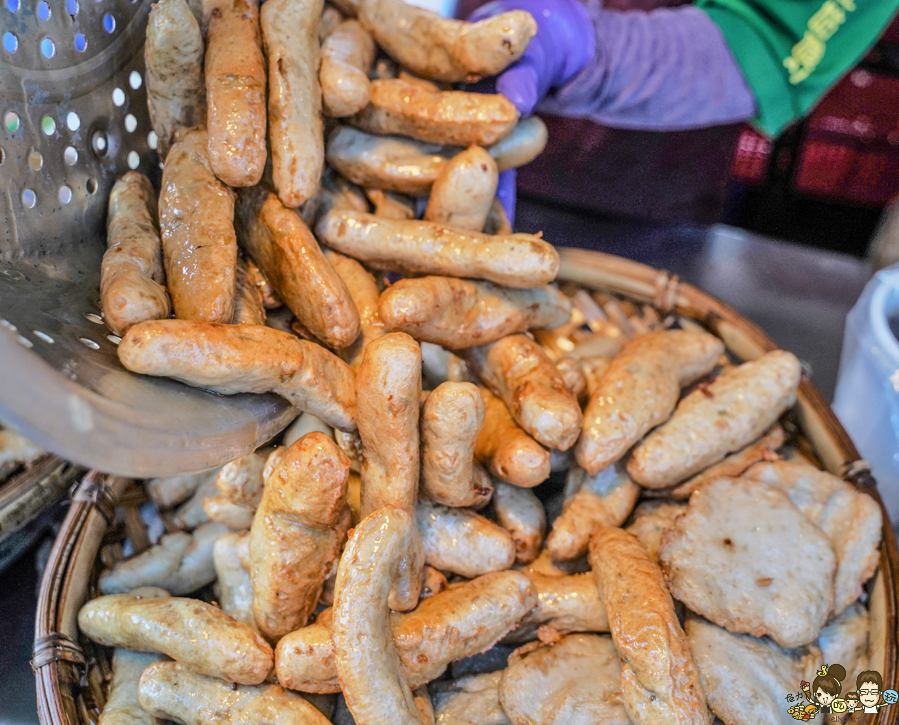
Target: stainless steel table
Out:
[799,295]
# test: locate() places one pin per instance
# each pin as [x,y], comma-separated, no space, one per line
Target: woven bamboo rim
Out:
[62,665]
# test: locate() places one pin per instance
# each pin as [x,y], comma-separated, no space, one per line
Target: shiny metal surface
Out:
[74,117]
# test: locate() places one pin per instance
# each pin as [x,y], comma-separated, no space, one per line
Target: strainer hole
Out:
[11,121]
[70,155]
[80,42]
[130,123]
[99,143]
[48,48]
[133,160]
[114,339]
[91,186]
[10,42]
[29,198]
[152,140]
[43,10]
[48,125]
[2,156]
[43,336]
[90,343]
[73,121]
[118,97]
[35,160]
[135,80]
[108,23]
[72,7]
[94,317]
[12,5]
[65,194]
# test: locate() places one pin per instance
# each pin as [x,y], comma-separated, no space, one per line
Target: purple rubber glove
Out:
[564,44]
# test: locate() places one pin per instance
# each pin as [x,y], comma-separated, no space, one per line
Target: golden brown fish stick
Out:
[365,295]
[388,394]
[521,145]
[249,302]
[290,32]
[445,49]
[451,419]
[347,55]
[131,277]
[514,260]
[506,450]
[724,416]
[294,538]
[196,219]
[289,256]
[458,118]
[235,87]
[233,359]
[518,371]
[173,55]
[367,660]
[605,499]
[229,650]
[566,603]
[459,313]
[521,513]
[462,195]
[387,162]
[639,391]
[455,623]
[241,480]
[659,680]
[229,556]
[391,205]
[460,541]
[171,691]
[122,706]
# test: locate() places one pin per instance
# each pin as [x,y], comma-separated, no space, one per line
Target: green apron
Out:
[792,51]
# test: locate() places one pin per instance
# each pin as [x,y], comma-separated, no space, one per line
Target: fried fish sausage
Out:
[462,195]
[445,49]
[289,256]
[639,391]
[451,419]
[388,394]
[290,32]
[463,542]
[605,499]
[241,480]
[386,162]
[458,118]
[724,416]
[294,538]
[506,450]
[514,260]
[230,554]
[228,649]
[391,205]
[459,622]
[519,372]
[235,87]
[171,691]
[460,313]
[220,510]
[347,55]
[196,219]
[173,55]
[365,295]
[520,513]
[231,359]
[122,706]
[659,680]
[521,145]
[180,563]
[366,656]
[131,277]
[566,603]
[249,301]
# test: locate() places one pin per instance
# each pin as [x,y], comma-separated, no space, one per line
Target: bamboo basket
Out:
[72,672]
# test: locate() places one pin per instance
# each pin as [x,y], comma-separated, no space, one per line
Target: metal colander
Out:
[74,113]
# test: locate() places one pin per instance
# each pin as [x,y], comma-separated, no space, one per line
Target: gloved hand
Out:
[564,44]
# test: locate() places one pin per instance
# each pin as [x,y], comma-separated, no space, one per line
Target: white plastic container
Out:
[867,394]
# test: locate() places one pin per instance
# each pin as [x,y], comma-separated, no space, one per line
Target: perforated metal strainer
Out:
[74,114]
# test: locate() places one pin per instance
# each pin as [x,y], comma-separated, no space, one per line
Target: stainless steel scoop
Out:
[74,117]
